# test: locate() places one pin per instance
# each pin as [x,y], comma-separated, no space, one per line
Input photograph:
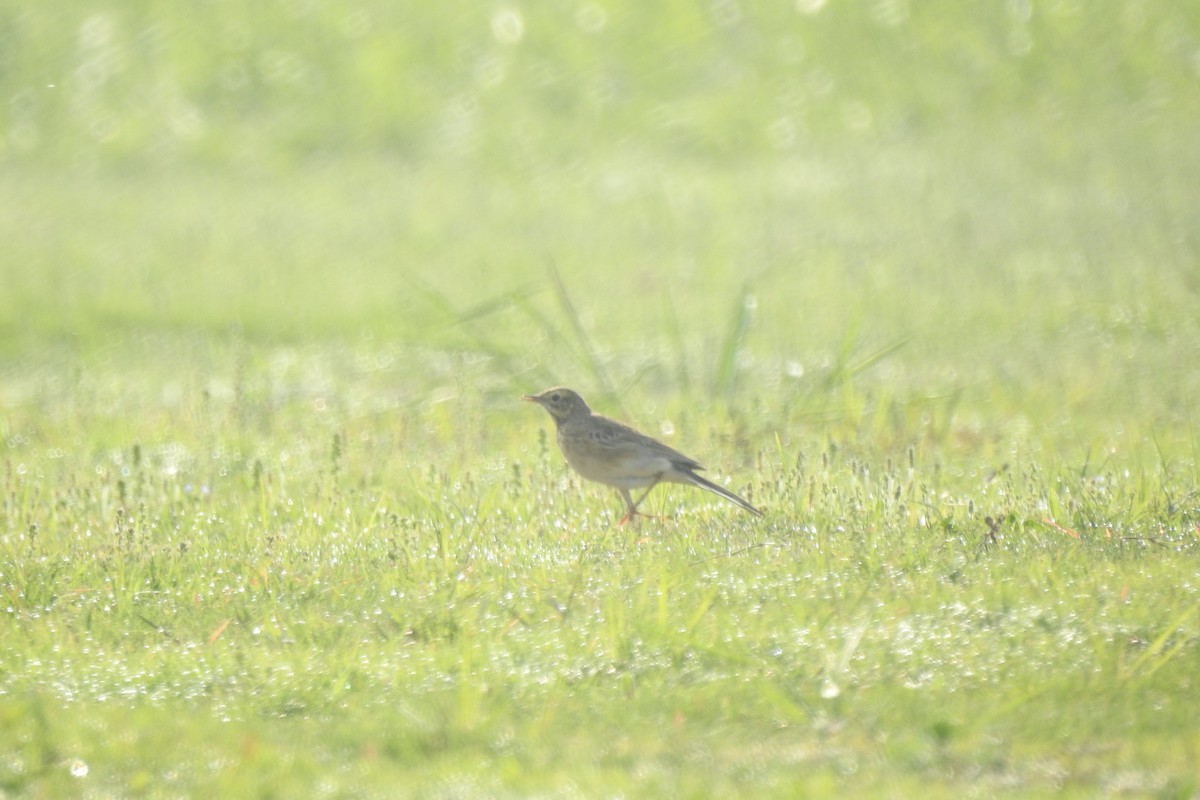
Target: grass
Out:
[919,280]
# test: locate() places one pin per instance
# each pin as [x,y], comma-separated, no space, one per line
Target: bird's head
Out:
[561,403]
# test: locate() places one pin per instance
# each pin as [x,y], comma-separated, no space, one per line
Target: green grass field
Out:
[922,280]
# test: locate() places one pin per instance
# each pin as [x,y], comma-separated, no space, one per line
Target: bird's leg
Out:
[632,504]
[631,507]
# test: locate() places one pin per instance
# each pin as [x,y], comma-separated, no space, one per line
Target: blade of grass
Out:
[465,321]
[871,359]
[725,376]
[1156,648]
[839,371]
[599,374]
[681,369]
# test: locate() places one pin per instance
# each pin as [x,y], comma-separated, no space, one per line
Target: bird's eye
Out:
[555,397]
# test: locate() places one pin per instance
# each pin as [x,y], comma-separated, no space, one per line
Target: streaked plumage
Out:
[609,452]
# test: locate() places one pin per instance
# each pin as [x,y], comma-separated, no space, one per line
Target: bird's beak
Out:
[530,398]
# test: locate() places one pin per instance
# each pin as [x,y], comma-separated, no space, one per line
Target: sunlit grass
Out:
[478,618]
[920,281]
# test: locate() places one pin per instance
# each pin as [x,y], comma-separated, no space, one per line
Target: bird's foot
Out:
[632,516]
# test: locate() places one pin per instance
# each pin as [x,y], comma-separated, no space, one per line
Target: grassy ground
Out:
[920,280]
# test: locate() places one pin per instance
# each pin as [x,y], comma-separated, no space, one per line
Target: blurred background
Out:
[922,279]
[978,213]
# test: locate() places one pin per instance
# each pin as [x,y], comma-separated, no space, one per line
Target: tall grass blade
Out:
[871,359]
[593,362]
[681,368]
[725,377]
[839,371]
[466,322]
[1156,648]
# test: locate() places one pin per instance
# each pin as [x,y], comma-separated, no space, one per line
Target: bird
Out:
[609,452]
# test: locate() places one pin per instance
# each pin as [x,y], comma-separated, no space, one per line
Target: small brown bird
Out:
[603,450]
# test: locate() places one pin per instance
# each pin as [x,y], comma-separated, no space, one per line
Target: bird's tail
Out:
[705,483]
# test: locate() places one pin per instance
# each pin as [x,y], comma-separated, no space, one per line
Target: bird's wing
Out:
[617,438]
